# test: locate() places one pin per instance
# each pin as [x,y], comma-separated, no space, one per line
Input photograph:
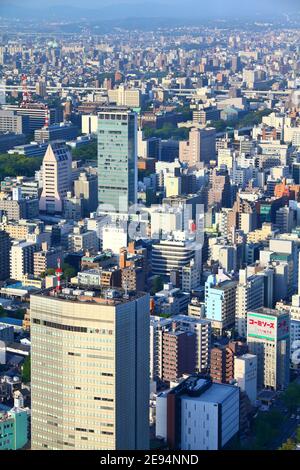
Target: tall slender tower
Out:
[57,177]
[117,159]
[90,371]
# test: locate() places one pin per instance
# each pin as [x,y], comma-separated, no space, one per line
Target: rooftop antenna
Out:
[25,93]
[58,273]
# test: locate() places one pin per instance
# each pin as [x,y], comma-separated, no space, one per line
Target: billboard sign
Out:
[267,326]
[262,326]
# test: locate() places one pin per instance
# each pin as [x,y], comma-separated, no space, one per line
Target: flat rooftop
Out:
[10,321]
[216,393]
[92,295]
[267,311]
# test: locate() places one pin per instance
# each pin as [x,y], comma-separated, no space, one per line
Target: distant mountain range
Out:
[72,10]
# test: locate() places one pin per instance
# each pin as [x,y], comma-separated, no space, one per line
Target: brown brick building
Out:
[222,361]
[179,354]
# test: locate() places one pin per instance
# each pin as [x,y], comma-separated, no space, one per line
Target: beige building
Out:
[57,176]
[260,234]
[125,97]
[45,259]
[28,230]
[200,148]
[86,188]
[89,123]
[225,158]
[90,371]
[16,230]
[172,185]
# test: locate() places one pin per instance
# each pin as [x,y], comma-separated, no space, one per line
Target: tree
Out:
[49,272]
[2,311]
[26,370]
[157,284]
[291,397]
[68,271]
[19,313]
[16,165]
[288,445]
[167,131]
[266,428]
[87,152]
[298,435]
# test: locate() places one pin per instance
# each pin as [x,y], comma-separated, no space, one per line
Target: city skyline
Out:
[149,230]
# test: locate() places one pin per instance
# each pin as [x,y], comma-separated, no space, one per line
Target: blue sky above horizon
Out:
[175,8]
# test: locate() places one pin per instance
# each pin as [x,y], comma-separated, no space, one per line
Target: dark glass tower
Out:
[117,159]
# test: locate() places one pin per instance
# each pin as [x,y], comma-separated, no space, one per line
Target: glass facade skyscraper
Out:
[90,371]
[117,159]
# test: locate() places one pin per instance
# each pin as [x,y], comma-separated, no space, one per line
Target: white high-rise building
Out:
[245,373]
[90,371]
[190,277]
[249,296]
[228,258]
[21,259]
[165,220]
[57,177]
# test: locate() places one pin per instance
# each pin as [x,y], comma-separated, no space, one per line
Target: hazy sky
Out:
[153,8]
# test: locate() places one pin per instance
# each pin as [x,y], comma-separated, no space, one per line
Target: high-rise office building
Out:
[168,255]
[117,159]
[62,131]
[236,64]
[179,353]
[37,114]
[222,361]
[268,337]
[200,148]
[57,176]
[219,193]
[11,122]
[249,296]
[41,88]
[21,259]
[4,255]
[198,414]
[220,292]
[159,325]
[125,97]
[85,188]
[90,371]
